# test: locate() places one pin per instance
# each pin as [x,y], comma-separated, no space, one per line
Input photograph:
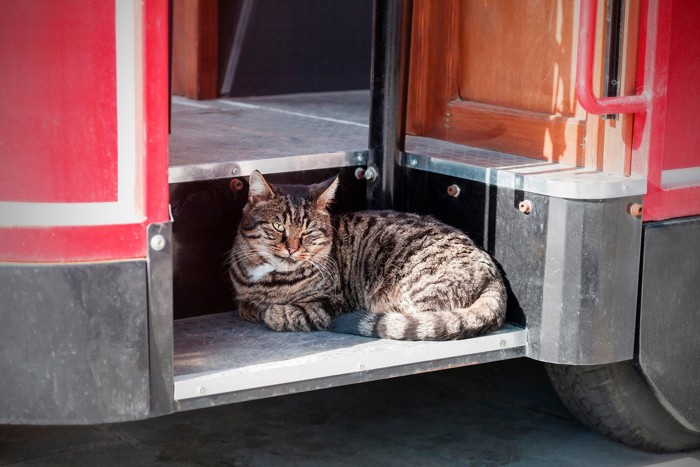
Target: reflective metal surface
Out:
[518,173]
[160,317]
[232,137]
[391,33]
[74,343]
[669,316]
[571,265]
[217,354]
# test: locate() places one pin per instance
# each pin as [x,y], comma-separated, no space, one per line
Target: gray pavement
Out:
[502,413]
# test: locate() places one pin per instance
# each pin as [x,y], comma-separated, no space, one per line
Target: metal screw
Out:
[412,161]
[157,242]
[525,206]
[635,209]
[453,190]
[371,174]
[234,171]
[359,157]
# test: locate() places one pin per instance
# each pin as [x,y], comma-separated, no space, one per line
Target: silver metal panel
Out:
[216,354]
[232,137]
[518,173]
[572,266]
[590,283]
[160,317]
[669,317]
[73,343]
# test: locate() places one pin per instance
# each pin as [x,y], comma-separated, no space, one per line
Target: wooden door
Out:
[500,75]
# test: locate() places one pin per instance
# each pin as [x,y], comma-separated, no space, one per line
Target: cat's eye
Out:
[278,227]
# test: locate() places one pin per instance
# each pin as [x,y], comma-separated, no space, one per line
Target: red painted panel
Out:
[157,98]
[58,136]
[69,244]
[112,242]
[682,138]
[673,122]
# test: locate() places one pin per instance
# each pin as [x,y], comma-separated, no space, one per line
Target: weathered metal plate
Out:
[668,317]
[216,354]
[226,137]
[518,173]
[74,343]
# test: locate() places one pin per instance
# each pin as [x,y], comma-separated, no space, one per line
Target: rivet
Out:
[200,389]
[635,209]
[361,366]
[157,242]
[371,174]
[502,343]
[525,206]
[412,161]
[234,171]
[453,190]
[359,157]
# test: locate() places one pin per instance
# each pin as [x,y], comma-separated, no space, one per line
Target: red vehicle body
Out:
[84,128]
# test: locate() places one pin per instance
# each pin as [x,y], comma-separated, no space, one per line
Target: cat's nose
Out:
[293,245]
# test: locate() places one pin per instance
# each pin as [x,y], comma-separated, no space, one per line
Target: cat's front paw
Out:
[296,317]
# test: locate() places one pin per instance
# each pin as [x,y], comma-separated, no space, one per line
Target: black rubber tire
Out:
[615,400]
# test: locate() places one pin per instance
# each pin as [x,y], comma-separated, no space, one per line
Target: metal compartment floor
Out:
[219,353]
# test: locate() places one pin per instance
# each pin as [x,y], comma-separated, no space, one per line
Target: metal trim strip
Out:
[575,183]
[677,178]
[217,170]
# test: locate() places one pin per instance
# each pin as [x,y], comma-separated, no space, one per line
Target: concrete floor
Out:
[502,413]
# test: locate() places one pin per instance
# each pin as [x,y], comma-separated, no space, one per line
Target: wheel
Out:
[615,400]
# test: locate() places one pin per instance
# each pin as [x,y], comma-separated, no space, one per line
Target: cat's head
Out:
[288,224]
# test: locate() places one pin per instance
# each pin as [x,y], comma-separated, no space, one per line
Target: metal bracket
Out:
[160,317]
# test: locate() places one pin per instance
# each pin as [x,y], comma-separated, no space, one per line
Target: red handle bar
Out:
[584,71]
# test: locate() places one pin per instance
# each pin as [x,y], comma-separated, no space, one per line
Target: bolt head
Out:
[525,206]
[157,242]
[371,174]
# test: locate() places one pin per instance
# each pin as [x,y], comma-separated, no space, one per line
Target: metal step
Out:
[232,137]
[218,354]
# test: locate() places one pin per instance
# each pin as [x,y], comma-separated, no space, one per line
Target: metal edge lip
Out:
[218,170]
[342,362]
[583,185]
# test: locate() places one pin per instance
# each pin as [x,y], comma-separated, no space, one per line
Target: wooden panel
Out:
[430,91]
[507,80]
[533,134]
[195,56]
[518,54]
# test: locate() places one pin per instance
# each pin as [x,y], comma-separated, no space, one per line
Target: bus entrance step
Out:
[219,354]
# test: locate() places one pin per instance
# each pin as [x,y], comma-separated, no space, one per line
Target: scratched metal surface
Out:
[221,341]
[233,130]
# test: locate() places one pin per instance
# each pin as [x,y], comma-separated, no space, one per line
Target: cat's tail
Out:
[486,314]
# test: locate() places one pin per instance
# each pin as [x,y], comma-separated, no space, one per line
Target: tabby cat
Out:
[373,273]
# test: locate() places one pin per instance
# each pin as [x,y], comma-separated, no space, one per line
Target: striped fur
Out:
[373,273]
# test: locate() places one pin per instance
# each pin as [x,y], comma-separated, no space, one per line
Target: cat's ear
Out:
[324,192]
[258,187]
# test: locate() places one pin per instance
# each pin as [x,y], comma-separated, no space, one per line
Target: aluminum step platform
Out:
[219,353]
[232,137]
